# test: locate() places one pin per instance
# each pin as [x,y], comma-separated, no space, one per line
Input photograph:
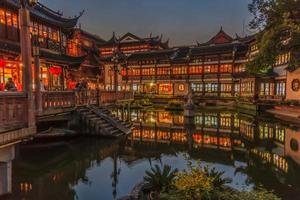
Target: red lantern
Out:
[123,72]
[55,70]
[2,63]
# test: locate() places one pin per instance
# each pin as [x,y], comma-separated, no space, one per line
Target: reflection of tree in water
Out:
[263,173]
[51,173]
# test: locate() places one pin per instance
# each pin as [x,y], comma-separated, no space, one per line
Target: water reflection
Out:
[262,143]
[253,151]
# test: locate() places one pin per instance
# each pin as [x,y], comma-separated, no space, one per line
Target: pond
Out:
[255,151]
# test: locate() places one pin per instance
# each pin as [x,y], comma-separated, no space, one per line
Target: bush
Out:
[200,183]
[194,184]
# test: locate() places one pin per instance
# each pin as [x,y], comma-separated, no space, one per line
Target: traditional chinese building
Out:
[50,32]
[216,68]
[127,44]
[85,44]
[130,43]
[209,68]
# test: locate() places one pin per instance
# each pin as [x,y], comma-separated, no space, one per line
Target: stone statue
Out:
[189,108]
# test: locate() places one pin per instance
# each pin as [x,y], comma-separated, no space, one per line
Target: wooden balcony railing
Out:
[58,99]
[13,111]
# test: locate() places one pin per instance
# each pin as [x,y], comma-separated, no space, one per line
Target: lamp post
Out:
[26,56]
[116,59]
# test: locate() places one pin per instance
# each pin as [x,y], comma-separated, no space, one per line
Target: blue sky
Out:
[183,21]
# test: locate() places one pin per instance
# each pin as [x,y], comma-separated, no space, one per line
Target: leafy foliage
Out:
[160,180]
[218,180]
[278,26]
[193,184]
[197,183]
[253,195]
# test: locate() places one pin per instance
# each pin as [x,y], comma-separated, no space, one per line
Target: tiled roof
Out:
[13,48]
[158,54]
[46,14]
[204,50]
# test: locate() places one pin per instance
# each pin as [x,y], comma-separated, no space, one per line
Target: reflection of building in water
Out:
[270,142]
[59,168]
[292,142]
[6,156]
[275,160]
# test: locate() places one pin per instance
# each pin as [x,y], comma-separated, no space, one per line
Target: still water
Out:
[253,151]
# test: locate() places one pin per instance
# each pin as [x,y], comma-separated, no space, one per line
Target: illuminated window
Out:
[162,71]
[211,87]
[165,89]
[198,119]
[211,69]
[239,68]
[247,87]
[134,72]
[195,70]
[181,87]
[279,134]
[226,87]
[9,18]
[283,59]
[211,120]
[148,71]
[197,87]
[266,89]
[179,70]
[15,20]
[2,16]
[280,88]
[225,120]
[226,68]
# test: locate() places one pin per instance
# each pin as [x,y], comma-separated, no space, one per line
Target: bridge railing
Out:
[13,110]
[58,99]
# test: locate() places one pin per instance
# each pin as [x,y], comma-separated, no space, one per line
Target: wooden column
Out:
[26,60]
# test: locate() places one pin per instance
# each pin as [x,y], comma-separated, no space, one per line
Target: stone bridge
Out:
[14,125]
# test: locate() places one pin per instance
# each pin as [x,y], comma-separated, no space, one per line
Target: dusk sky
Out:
[183,21]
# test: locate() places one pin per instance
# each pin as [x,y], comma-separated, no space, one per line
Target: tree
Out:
[278,25]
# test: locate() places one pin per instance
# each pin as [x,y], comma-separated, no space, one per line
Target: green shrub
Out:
[158,179]
[199,183]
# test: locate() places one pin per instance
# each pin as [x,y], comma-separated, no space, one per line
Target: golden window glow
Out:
[2,16]
[181,87]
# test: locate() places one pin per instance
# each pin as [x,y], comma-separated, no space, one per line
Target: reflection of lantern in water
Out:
[197,138]
[123,72]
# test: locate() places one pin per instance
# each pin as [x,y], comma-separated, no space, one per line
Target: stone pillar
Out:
[5,178]
[26,56]
[6,156]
